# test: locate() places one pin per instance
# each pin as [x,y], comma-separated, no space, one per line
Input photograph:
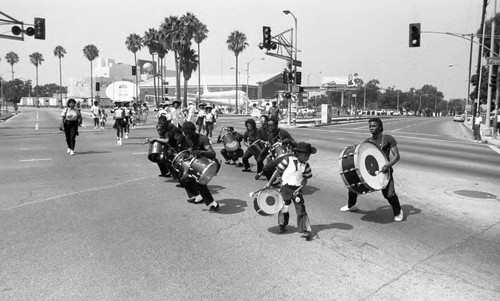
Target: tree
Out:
[200,34]
[237,42]
[15,89]
[91,53]
[189,63]
[36,59]
[150,40]
[134,44]
[59,52]
[12,58]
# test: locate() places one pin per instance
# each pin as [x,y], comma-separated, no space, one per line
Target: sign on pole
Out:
[493,60]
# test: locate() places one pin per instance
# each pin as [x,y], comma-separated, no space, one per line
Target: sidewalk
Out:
[485,139]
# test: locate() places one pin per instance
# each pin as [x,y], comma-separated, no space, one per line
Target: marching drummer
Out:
[276,135]
[294,171]
[250,137]
[199,145]
[171,136]
[389,147]
[232,151]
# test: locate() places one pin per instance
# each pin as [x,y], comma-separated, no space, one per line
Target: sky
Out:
[335,37]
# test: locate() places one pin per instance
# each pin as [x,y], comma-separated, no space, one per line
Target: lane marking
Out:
[36,127]
[32,148]
[33,160]
[494,148]
[73,193]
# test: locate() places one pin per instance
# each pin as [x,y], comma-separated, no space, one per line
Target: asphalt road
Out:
[103,226]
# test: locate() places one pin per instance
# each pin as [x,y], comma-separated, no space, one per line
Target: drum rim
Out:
[278,196]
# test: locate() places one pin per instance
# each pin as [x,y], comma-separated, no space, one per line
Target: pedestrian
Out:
[251,136]
[476,127]
[102,119]
[200,117]
[389,147]
[96,114]
[128,119]
[144,111]
[119,116]
[210,121]
[177,114]
[274,111]
[191,111]
[70,117]
[294,171]
[199,145]
[232,151]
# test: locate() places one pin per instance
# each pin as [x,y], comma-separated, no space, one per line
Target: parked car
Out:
[459,118]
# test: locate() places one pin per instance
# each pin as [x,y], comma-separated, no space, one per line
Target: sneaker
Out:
[120,142]
[227,162]
[281,228]
[257,176]
[126,136]
[68,151]
[71,153]
[475,141]
[307,235]
[239,164]
[400,216]
[214,208]
[246,170]
[195,200]
[346,208]
[166,175]
[232,163]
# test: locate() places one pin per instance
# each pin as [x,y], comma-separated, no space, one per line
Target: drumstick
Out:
[251,194]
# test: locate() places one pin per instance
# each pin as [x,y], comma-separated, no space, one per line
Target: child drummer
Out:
[294,171]
[232,156]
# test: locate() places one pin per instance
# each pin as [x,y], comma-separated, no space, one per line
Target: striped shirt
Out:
[293,171]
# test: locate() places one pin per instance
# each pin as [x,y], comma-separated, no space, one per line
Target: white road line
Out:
[73,193]
[143,153]
[36,127]
[495,148]
[33,160]
[32,148]
[36,115]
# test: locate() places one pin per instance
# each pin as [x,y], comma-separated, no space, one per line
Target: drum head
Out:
[370,160]
[268,202]
[208,173]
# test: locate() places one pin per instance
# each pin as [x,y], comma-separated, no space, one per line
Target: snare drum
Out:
[157,152]
[231,143]
[280,151]
[257,147]
[268,201]
[202,169]
[360,166]
[181,161]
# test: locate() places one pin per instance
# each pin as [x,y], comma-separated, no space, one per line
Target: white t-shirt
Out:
[96,111]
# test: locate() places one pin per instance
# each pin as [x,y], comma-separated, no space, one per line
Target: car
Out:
[459,118]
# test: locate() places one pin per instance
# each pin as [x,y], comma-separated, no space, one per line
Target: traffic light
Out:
[414,35]
[284,77]
[298,78]
[40,28]
[266,36]
[98,86]
[290,78]
[493,81]
[134,70]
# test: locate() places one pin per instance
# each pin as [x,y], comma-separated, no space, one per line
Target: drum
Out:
[268,201]
[157,152]
[280,150]
[231,144]
[257,147]
[360,166]
[202,169]
[181,161]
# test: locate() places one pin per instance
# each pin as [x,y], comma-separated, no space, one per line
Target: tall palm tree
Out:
[59,52]
[150,40]
[200,35]
[36,59]
[134,44]
[189,63]
[171,36]
[237,42]
[91,53]
[12,58]
[162,52]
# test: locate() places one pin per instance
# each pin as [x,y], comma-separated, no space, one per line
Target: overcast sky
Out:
[336,37]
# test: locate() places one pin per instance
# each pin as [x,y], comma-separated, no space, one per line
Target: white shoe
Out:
[346,208]
[68,151]
[120,142]
[399,217]
[126,136]
[71,153]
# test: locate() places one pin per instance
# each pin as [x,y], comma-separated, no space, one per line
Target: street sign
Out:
[299,63]
[493,60]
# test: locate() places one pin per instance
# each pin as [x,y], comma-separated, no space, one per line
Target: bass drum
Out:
[157,152]
[257,148]
[279,151]
[231,143]
[268,201]
[181,161]
[202,169]
[360,166]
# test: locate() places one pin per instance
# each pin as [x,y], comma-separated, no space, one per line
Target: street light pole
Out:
[295,49]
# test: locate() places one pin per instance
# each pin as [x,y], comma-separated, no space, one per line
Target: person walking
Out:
[476,128]
[119,117]
[389,147]
[70,118]
[210,119]
[96,114]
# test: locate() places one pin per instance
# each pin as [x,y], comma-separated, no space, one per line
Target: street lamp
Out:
[248,75]
[294,48]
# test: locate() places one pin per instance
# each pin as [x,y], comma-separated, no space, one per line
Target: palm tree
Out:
[237,42]
[189,63]
[161,61]
[12,58]
[36,59]
[200,35]
[150,40]
[59,52]
[91,53]
[134,44]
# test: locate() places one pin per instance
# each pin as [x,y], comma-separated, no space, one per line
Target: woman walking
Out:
[70,118]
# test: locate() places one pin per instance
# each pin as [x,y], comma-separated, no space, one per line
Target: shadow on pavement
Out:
[231,206]
[341,226]
[384,215]
[308,190]
[289,229]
